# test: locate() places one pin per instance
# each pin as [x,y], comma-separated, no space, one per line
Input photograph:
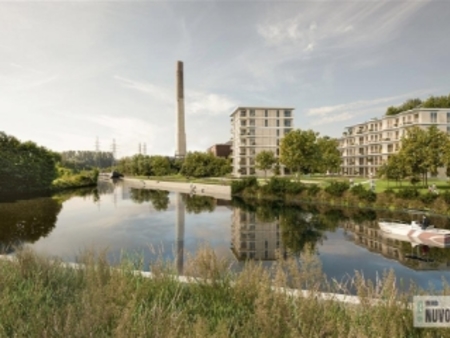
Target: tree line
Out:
[304,152]
[25,166]
[432,102]
[195,164]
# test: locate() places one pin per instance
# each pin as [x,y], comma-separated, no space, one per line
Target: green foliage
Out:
[336,188]
[242,184]
[407,105]
[363,193]
[424,151]
[313,189]
[24,166]
[143,165]
[158,198]
[82,179]
[428,197]
[446,196]
[265,160]
[408,193]
[431,102]
[280,186]
[198,204]
[389,191]
[330,157]
[299,151]
[205,164]
[414,180]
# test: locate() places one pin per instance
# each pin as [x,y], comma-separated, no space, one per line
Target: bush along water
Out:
[340,193]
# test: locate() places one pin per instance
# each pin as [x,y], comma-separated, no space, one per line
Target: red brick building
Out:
[221,150]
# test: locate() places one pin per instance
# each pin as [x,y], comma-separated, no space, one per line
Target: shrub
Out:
[313,189]
[446,196]
[337,188]
[363,193]
[408,193]
[428,198]
[414,180]
[389,191]
[240,185]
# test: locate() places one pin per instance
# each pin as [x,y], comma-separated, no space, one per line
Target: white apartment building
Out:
[366,146]
[254,129]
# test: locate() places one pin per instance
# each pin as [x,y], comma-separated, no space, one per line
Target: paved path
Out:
[213,190]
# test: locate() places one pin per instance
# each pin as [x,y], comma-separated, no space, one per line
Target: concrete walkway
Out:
[212,190]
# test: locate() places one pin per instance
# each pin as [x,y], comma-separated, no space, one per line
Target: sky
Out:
[72,71]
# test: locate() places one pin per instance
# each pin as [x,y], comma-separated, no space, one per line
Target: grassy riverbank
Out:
[41,298]
[340,193]
[69,179]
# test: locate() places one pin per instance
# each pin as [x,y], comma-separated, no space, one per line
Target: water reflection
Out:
[407,253]
[26,221]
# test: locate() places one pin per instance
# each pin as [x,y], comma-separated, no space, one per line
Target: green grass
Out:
[39,298]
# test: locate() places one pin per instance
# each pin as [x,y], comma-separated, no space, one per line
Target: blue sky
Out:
[72,71]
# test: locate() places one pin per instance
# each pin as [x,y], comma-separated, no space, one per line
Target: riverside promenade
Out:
[212,190]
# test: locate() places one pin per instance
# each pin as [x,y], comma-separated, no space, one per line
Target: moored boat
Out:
[414,233]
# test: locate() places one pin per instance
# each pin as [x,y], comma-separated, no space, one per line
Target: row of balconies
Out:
[390,126]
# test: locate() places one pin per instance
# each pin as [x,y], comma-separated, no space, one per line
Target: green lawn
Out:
[178,178]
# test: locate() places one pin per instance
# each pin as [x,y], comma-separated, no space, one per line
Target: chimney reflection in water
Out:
[180,209]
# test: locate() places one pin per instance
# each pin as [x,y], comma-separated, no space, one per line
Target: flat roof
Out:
[256,107]
[386,117]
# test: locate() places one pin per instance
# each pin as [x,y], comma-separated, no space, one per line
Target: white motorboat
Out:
[414,233]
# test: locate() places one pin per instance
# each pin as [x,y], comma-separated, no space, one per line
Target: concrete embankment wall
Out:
[212,190]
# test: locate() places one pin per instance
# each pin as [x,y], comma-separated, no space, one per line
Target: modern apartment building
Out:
[366,146]
[254,129]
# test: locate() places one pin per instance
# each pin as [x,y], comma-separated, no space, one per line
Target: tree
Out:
[330,157]
[424,151]
[265,160]
[201,164]
[299,151]
[160,165]
[396,168]
[25,166]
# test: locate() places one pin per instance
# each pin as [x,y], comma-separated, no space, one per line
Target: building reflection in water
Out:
[180,213]
[253,239]
[417,257]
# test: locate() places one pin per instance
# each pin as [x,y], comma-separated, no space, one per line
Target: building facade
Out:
[221,150]
[252,239]
[365,147]
[254,129]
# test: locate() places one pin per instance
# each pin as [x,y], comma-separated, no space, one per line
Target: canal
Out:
[154,224]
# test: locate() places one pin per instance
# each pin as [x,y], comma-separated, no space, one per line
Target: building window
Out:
[266,114]
[278,132]
[278,113]
[433,117]
[287,123]
[243,112]
[278,123]
[448,117]
[252,112]
[266,123]
[251,122]
[287,130]
[287,113]
[448,129]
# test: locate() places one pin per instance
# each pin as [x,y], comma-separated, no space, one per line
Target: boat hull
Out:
[415,234]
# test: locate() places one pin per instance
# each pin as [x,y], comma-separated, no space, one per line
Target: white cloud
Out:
[198,103]
[334,118]
[158,92]
[364,109]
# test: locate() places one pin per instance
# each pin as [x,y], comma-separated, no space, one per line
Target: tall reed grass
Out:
[43,298]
